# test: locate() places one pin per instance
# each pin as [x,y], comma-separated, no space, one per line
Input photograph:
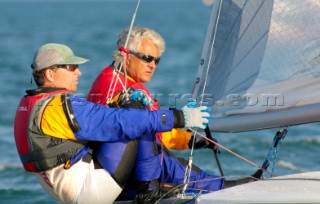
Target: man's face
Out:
[66,78]
[140,70]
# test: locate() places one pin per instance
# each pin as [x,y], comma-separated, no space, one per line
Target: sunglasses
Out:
[145,58]
[69,67]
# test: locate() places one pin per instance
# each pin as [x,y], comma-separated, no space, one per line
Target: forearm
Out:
[99,123]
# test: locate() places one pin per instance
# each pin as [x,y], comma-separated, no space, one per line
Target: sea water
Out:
[90,28]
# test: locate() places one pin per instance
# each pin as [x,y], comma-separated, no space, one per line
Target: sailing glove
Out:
[201,143]
[196,117]
[140,95]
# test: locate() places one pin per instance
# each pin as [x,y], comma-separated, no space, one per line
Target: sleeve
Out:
[100,123]
[177,139]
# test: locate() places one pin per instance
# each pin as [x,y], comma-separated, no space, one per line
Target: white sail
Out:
[260,66]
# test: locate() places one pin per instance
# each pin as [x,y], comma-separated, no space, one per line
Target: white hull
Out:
[295,188]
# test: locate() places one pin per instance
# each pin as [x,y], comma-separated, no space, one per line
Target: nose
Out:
[78,72]
[152,64]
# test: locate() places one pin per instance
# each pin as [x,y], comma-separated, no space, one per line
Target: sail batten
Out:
[264,65]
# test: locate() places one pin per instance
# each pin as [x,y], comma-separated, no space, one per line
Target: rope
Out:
[111,90]
[196,196]
[206,79]
[211,50]
[118,64]
[230,151]
[273,152]
[187,172]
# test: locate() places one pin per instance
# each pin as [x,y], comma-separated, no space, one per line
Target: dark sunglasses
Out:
[69,67]
[145,58]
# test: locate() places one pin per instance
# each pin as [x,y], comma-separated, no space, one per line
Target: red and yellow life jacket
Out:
[37,151]
[177,139]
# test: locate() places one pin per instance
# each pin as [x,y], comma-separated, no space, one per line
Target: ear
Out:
[126,61]
[48,74]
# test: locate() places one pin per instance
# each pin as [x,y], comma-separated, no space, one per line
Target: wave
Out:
[291,166]
[10,166]
[25,196]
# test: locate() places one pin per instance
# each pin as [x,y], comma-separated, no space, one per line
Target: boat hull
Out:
[295,188]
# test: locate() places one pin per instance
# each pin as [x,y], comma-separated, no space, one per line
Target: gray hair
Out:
[136,36]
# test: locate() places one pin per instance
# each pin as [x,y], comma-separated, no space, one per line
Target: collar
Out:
[127,76]
[41,90]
